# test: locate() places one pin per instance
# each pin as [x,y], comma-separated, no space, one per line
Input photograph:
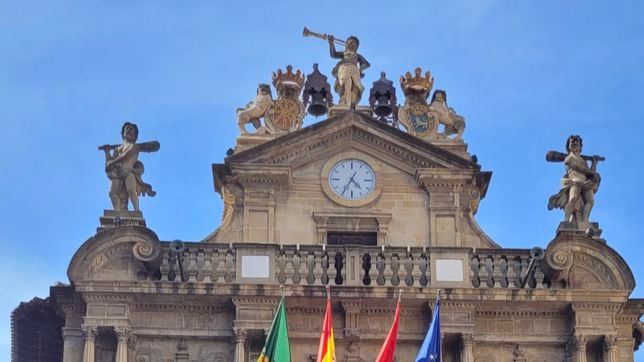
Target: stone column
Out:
[122,334]
[610,348]
[577,347]
[240,344]
[467,354]
[73,344]
[90,336]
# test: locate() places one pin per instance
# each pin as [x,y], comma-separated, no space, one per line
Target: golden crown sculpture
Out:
[288,78]
[417,82]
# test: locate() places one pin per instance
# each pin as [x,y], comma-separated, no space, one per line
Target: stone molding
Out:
[267,175]
[569,255]
[113,244]
[352,126]
[209,309]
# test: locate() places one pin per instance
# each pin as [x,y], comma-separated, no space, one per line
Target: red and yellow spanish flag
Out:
[389,347]
[326,351]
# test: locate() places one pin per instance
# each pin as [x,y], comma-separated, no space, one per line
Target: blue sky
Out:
[524,74]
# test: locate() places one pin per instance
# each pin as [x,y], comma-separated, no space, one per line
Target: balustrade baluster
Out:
[324,263]
[474,271]
[310,266]
[423,263]
[408,264]
[296,262]
[229,265]
[281,267]
[395,267]
[380,267]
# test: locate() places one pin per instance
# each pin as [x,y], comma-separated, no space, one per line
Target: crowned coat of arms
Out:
[415,114]
[288,111]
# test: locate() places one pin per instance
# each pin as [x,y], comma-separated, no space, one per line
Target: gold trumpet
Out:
[308,33]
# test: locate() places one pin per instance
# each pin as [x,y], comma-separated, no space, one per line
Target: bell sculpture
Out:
[382,100]
[317,96]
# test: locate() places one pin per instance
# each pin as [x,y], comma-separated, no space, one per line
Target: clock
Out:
[352,179]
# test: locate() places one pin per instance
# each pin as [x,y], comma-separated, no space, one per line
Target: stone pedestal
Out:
[245,142]
[590,229]
[112,219]
[337,110]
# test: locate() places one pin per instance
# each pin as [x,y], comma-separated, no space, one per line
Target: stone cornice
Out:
[175,307]
[253,174]
[596,307]
[520,313]
[407,148]
[243,301]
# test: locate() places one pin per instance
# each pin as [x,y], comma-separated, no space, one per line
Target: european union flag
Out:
[430,351]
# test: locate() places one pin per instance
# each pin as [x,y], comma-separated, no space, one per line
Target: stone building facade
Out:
[133,297]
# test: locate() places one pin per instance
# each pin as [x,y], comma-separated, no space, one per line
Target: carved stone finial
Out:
[125,170]
[579,184]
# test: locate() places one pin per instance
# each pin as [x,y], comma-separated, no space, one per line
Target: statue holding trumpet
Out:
[348,72]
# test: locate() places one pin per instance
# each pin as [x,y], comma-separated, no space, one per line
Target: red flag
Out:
[326,350]
[389,347]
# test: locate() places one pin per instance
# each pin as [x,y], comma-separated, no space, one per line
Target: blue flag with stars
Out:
[430,351]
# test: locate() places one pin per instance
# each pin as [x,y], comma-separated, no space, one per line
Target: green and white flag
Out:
[277,348]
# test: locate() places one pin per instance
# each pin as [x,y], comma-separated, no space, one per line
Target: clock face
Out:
[352,179]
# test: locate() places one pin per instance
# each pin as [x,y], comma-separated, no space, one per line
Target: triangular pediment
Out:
[361,132]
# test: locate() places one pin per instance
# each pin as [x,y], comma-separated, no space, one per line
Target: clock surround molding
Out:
[352,154]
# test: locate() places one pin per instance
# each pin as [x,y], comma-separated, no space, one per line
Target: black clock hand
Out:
[349,183]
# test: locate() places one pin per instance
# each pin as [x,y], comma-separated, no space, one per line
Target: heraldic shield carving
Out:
[287,112]
[415,114]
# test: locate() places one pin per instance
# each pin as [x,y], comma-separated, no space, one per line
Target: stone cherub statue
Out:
[125,170]
[348,71]
[579,184]
[451,121]
[255,109]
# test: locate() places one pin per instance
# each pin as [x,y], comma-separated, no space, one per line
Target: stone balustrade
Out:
[505,268]
[349,266]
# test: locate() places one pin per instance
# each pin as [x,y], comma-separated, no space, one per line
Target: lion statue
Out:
[452,122]
[255,109]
